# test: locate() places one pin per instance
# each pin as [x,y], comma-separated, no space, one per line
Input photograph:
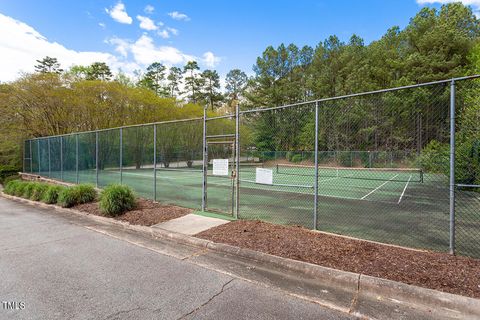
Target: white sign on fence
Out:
[264,176]
[220,167]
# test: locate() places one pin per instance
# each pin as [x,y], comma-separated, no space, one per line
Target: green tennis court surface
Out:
[403,207]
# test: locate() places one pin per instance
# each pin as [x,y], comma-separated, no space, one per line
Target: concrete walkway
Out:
[190,224]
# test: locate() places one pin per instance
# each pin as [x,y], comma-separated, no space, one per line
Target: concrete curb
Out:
[361,287]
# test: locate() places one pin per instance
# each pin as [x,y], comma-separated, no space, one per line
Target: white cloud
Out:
[144,51]
[147,23]
[475,4]
[102,25]
[119,14]
[22,45]
[179,16]
[172,31]
[210,60]
[164,34]
[149,9]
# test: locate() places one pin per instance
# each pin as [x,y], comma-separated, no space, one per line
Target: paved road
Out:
[61,270]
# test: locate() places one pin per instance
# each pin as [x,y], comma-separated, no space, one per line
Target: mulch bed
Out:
[439,271]
[146,213]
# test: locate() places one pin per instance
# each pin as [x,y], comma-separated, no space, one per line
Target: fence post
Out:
[38,155]
[237,164]
[452,168]
[96,159]
[155,162]
[205,165]
[49,160]
[31,160]
[76,159]
[61,158]
[121,155]
[315,208]
[24,154]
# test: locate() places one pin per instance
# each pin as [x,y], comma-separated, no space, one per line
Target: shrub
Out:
[296,158]
[6,171]
[289,155]
[11,186]
[79,194]
[116,199]
[28,190]
[38,191]
[50,196]
[345,158]
[10,178]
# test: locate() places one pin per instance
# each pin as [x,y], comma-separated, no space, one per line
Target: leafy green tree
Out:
[174,81]
[154,79]
[99,71]
[236,83]
[192,81]
[48,65]
[211,87]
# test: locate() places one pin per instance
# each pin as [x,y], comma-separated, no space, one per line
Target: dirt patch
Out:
[147,212]
[439,271]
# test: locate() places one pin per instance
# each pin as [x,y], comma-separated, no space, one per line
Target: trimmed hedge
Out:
[116,199]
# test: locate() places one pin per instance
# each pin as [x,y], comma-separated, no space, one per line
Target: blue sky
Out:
[219,34]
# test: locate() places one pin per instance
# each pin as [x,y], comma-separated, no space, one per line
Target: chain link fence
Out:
[375,166]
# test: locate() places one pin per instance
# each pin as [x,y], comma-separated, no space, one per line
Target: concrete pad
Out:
[190,224]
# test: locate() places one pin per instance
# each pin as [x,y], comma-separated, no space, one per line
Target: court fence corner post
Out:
[121,155]
[61,158]
[77,177]
[204,166]
[237,161]
[315,208]
[96,159]
[155,162]
[452,168]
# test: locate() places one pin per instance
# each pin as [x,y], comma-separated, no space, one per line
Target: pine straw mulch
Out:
[439,271]
[146,213]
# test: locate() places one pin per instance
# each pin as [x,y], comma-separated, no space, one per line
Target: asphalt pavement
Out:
[53,268]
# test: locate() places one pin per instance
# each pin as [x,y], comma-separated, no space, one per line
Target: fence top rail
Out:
[117,128]
[418,85]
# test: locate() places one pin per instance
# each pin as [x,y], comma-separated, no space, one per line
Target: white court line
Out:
[404,189]
[379,187]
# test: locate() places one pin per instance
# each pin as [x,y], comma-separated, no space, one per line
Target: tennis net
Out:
[383,174]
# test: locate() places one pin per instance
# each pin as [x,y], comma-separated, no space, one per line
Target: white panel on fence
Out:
[264,176]
[220,167]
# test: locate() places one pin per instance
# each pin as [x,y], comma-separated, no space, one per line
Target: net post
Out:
[49,160]
[76,159]
[96,159]
[31,160]
[237,164]
[315,208]
[452,168]
[204,166]
[154,162]
[61,158]
[121,155]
